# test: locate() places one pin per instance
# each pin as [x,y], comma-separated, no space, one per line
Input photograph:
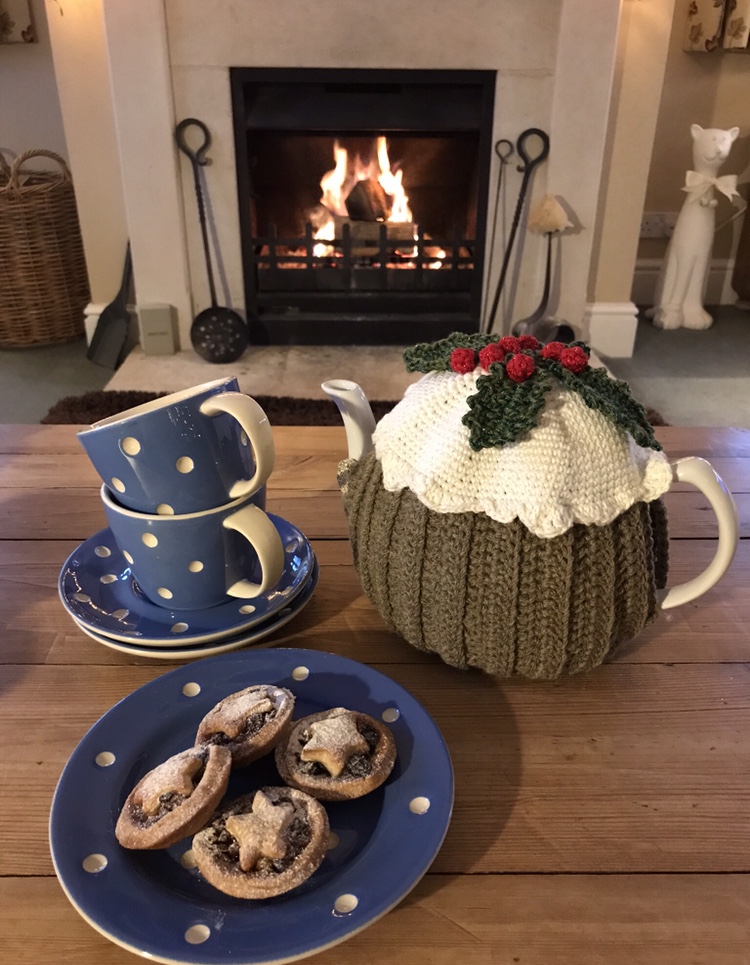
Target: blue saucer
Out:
[155,905]
[96,587]
[254,634]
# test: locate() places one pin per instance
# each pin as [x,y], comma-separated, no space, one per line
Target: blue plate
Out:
[96,587]
[155,905]
[194,651]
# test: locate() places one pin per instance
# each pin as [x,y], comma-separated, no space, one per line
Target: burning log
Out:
[368,201]
[365,235]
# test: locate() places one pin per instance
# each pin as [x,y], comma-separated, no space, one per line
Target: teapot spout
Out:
[355,410]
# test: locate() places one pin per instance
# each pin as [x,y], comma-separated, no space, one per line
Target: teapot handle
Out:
[701,474]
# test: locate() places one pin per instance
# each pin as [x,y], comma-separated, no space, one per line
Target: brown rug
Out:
[281,410]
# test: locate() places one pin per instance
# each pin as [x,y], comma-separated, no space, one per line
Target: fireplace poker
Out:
[530,163]
[217,334]
[504,150]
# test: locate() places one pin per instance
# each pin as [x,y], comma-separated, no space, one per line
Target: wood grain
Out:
[598,820]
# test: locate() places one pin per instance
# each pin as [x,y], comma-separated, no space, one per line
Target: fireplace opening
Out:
[363,202]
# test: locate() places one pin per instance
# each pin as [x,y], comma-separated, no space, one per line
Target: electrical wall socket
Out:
[658,224]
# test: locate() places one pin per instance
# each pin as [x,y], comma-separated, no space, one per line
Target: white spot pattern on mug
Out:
[247,608]
[103,551]
[179,627]
[108,578]
[118,484]
[148,539]
[128,557]
[164,509]
[195,566]
[164,593]
[293,545]
[82,598]
[130,446]
[120,614]
[184,464]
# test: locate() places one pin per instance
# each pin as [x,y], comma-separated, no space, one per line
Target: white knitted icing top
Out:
[575,466]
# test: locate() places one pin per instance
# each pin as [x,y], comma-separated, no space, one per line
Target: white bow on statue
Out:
[698,187]
[683,277]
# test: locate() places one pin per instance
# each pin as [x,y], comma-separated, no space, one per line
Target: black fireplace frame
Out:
[421,309]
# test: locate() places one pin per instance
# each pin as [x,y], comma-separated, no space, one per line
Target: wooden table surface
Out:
[598,819]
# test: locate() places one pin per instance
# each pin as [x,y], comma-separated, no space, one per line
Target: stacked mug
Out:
[184,488]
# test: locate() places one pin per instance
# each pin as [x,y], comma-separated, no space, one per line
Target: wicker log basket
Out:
[45,286]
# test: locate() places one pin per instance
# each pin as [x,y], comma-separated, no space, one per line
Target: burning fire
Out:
[389,203]
[337,184]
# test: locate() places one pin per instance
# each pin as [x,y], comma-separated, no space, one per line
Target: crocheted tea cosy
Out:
[470,519]
[517,430]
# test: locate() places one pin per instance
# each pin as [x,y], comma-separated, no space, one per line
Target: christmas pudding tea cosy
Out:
[507,513]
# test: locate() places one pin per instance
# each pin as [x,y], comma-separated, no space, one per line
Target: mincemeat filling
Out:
[358,765]
[253,725]
[297,836]
[167,801]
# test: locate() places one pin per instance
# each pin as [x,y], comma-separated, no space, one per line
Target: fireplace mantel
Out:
[170,59]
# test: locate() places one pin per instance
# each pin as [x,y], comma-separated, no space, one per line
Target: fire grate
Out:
[367,257]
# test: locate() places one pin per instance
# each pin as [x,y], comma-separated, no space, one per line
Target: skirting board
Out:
[719,289]
[611,328]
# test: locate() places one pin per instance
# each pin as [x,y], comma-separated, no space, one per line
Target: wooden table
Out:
[598,819]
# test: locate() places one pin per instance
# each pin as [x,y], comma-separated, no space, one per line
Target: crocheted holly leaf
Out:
[520,371]
[612,398]
[502,411]
[436,356]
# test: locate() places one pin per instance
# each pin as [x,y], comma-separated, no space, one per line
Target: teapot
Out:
[507,513]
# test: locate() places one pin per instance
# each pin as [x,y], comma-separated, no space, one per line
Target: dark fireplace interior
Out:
[363,202]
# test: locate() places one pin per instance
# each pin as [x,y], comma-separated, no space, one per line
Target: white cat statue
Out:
[682,281]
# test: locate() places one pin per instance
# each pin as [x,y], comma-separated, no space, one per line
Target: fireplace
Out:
[363,202]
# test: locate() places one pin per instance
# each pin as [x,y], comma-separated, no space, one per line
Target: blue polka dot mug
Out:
[197,560]
[186,452]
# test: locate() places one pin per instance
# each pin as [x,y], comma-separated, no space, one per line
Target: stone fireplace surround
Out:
[170,59]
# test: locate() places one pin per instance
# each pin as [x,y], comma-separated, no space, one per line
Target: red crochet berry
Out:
[463,360]
[552,350]
[520,368]
[574,358]
[489,354]
[509,344]
[528,341]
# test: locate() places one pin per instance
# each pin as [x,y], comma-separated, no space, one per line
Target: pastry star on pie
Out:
[174,799]
[336,755]
[262,844]
[260,833]
[334,740]
[249,722]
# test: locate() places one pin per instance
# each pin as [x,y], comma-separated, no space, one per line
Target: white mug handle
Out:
[255,424]
[701,474]
[259,530]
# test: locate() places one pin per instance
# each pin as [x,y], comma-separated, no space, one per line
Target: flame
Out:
[337,183]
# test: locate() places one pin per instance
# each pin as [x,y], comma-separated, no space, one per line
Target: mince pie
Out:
[262,844]
[175,799]
[336,755]
[250,723]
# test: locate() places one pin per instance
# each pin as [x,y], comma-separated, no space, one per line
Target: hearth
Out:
[363,202]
